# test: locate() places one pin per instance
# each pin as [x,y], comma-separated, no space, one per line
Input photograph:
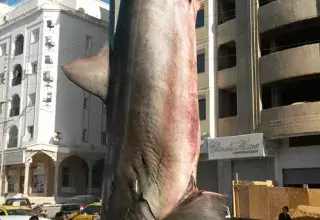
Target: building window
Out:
[15,106]
[200,18]
[34,36]
[86,103]
[2,78]
[85,135]
[3,49]
[19,45]
[17,75]
[227,55]
[226,10]
[34,67]
[13,137]
[201,63]
[67,177]
[227,102]
[11,179]
[1,107]
[38,179]
[32,99]
[202,109]
[88,44]
[103,137]
[31,130]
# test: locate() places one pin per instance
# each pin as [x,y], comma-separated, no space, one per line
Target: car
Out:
[90,212]
[20,217]
[15,210]
[22,201]
[77,203]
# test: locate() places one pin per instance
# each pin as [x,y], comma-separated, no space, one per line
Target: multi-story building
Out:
[52,132]
[266,71]
[207,175]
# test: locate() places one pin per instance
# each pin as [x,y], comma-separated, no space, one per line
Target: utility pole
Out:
[3,125]
[2,142]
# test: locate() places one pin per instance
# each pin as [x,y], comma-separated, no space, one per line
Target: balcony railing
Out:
[13,142]
[16,81]
[14,112]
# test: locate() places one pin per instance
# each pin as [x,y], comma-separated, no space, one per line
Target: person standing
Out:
[60,216]
[284,215]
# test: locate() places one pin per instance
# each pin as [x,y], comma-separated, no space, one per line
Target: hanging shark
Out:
[149,84]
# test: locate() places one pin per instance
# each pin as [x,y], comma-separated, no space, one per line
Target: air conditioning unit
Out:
[57,136]
[50,24]
[49,42]
[48,99]
[48,60]
[46,77]
[6,18]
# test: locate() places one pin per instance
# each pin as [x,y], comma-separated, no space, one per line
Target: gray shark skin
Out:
[153,121]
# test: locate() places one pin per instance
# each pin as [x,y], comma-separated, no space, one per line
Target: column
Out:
[6,173]
[56,178]
[225,179]
[26,178]
[90,168]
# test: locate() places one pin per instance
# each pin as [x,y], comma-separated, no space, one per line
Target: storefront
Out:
[297,166]
[246,157]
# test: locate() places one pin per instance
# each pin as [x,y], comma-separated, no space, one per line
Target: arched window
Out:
[13,137]
[15,106]
[19,45]
[17,75]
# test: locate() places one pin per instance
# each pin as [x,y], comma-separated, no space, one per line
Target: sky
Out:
[12,2]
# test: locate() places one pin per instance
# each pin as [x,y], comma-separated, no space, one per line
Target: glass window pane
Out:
[202,109]
[200,19]
[201,63]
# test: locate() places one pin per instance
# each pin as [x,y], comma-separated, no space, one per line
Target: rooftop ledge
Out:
[51,6]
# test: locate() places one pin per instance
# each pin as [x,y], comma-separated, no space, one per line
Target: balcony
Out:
[227,78]
[14,112]
[303,60]
[279,13]
[298,118]
[226,32]
[227,126]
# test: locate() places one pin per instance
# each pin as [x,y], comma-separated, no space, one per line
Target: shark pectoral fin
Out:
[91,73]
[200,205]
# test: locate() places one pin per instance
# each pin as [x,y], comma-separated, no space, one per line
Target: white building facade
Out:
[52,132]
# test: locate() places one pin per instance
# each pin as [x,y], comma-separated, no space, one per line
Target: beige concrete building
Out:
[266,67]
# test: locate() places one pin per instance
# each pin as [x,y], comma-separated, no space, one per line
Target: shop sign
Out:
[232,147]
[13,157]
